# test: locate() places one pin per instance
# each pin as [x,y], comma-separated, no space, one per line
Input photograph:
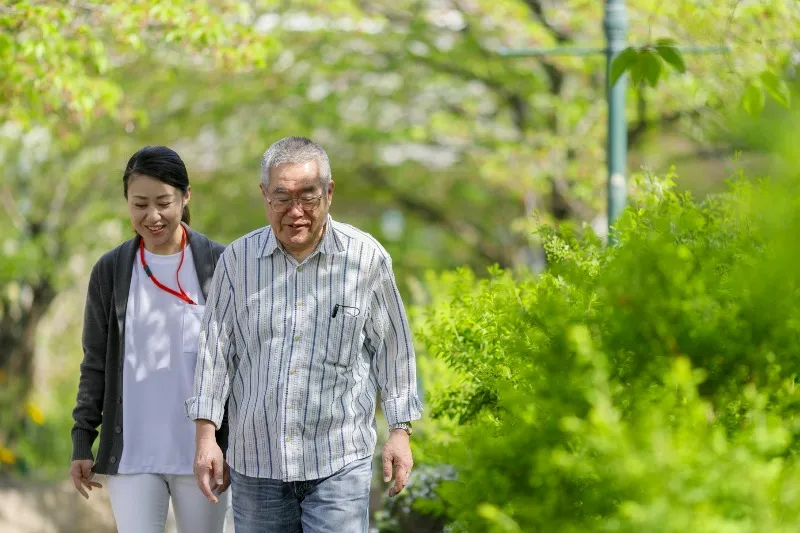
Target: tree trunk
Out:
[18,326]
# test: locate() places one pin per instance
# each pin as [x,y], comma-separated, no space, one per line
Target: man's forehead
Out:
[294,176]
[294,170]
[295,186]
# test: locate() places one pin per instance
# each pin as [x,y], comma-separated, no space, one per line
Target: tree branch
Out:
[88,6]
[10,207]
[469,233]
[465,74]
[563,204]
[554,74]
[538,12]
[515,101]
[643,125]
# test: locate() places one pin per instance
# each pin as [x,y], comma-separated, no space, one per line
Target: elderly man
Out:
[303,326]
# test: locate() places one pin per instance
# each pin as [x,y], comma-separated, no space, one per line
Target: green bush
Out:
[649,386]
[34,438]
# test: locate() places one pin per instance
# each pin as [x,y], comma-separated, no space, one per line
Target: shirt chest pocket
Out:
[344,339]
[192,322]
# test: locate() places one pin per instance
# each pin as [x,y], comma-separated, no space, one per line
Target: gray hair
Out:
[296,150]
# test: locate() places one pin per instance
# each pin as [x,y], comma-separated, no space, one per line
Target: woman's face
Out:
[156,209]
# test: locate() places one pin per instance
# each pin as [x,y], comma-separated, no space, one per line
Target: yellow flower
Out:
[7,456]
[35,414]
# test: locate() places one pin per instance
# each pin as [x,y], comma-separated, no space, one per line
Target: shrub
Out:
[648,386]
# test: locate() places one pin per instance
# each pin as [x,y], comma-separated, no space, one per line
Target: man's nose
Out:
[295,210]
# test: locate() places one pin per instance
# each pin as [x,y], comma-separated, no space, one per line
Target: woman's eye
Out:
[165,205]
[140,206]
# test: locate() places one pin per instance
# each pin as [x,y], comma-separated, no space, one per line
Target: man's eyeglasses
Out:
[283,204]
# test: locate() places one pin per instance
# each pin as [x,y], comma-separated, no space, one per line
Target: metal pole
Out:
[547,52]
[616,25]
[590,51]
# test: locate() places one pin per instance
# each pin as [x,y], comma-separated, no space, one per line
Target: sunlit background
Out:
[446,150]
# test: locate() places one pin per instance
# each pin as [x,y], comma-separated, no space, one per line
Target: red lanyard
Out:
[182,295]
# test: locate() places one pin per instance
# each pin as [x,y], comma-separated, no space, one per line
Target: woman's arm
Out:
[88,412]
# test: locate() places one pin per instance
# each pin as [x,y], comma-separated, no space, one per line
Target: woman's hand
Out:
[81,473]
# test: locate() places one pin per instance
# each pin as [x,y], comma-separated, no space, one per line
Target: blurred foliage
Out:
[33,443]
[650,386]
[57,57]
[417,508]
[61,99]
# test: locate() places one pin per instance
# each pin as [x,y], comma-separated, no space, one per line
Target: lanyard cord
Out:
[182,295]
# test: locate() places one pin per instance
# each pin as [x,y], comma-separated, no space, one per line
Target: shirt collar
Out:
[331,243]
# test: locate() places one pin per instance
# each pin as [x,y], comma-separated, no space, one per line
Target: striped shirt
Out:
[298,352]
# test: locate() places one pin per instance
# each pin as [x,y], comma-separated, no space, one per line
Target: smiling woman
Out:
[156,186]
[140,335]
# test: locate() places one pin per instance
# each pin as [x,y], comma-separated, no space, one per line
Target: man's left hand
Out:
[397,457]
[226,480]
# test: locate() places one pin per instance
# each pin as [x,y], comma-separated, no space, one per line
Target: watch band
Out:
[405,426]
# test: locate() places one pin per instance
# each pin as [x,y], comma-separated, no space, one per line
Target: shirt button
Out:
[297,337]
[299,269]
[289,406]
[288,439]
[299,303]
[291,372]
[118,429]
[113,460]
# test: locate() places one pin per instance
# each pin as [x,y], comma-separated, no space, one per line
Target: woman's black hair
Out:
[163,164]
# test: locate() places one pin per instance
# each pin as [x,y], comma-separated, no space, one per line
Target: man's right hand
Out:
[81,474]
[209,464]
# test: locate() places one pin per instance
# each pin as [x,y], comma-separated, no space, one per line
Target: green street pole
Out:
[616,26]
[615,23]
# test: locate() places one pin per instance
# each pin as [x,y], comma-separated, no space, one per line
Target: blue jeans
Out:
[335,504]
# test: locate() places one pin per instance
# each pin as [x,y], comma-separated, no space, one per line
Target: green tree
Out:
[57,56]
[422,115]
[58,63]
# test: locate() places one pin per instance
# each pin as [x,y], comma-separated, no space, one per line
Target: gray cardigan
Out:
[99,401]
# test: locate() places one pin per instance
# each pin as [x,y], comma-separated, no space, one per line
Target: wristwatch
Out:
[405,426]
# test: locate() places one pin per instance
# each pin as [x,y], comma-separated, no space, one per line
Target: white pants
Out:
[140,503]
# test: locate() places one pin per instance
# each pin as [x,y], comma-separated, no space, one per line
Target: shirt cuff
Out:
[205,408]
[402,409]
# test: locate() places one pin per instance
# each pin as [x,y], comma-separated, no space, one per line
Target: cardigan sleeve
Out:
[88,412]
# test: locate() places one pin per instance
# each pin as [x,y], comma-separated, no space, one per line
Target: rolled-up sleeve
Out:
[394,360]
[216,349]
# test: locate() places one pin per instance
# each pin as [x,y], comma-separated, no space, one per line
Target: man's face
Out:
[297,206]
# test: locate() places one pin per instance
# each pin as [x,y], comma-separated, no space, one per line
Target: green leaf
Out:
[777,88]
[494,515]
[671,55]
[666,41]
[651,66]
[621,63]
[753,99]
[135,41]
